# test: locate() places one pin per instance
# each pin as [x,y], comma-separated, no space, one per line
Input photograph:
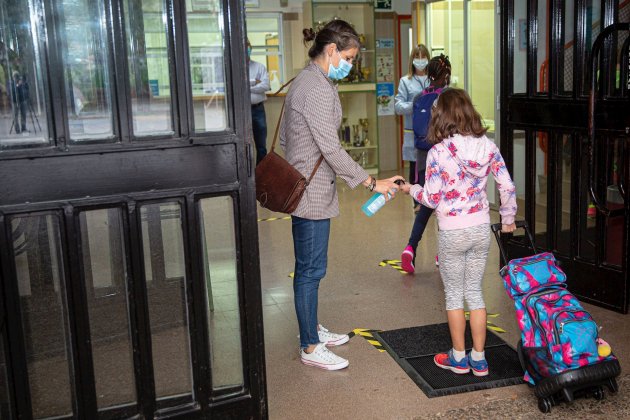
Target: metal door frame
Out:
[65,178]
[558,114]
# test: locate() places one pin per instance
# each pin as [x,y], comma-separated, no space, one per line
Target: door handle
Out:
[597,45]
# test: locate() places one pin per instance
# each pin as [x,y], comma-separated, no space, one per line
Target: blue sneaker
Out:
[479,367]
[447,361]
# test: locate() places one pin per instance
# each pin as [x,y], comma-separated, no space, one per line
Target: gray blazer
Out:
[312,116]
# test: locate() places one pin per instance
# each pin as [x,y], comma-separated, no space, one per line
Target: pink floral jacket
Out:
[455,182]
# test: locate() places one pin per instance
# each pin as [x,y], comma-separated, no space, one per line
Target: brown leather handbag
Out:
[279,186]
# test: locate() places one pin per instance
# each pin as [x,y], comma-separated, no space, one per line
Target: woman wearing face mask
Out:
[312,116]
[409,86]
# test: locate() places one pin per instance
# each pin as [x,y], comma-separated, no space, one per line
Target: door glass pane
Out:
[588,212]
[105,274]
[622,36]
[5,409]
[565,84]
[220,269]
[519,171]
[86,68]
[207,67]
[44,311]
[23,114]
[593,28]
[563,242]
[615,201]
[542,52]
[481,60]
[149,69]
[519,178]
[543,146]
[520,47]
[264,31]
[165,274]
[447,36]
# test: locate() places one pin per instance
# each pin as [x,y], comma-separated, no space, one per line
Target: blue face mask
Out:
[338,73]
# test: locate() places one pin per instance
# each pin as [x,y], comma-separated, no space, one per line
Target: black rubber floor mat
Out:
[424,342]
[428,340]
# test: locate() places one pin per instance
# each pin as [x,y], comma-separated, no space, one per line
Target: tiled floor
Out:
[358,293]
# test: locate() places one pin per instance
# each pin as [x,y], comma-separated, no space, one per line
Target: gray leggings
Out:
[463,254]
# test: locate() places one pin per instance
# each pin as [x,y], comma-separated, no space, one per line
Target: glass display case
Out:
[357,92]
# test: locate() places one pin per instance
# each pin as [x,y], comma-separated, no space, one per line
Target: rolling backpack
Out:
[422,106]
[560,350]
[557,333]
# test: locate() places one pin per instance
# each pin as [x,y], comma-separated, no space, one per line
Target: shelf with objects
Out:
[358,133]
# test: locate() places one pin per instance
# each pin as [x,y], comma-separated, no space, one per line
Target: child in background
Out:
[457,172]
[439,75]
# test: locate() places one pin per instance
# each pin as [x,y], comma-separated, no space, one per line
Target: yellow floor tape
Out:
[271,219]
[394,264]
[367,334]
[489,324]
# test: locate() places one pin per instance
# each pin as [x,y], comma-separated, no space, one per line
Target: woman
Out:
[312,117]
[409,86]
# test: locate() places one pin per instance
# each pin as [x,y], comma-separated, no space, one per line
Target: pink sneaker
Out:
[407,260]
[437,261]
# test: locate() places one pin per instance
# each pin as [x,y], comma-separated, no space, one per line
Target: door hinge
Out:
[498,102]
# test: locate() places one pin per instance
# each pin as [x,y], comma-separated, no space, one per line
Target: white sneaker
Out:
[323,358]
[330,338]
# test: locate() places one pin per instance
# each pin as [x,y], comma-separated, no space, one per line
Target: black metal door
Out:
[545,54]
[128,237]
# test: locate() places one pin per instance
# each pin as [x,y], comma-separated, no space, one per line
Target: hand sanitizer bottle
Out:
[375,202]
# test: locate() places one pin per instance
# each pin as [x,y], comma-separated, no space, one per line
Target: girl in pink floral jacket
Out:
[457,173]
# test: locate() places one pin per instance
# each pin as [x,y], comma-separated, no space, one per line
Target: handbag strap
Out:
[275,136]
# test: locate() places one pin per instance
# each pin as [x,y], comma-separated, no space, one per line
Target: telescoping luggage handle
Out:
[496,229]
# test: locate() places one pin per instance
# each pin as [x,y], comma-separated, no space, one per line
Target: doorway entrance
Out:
[128,237]
[464,31]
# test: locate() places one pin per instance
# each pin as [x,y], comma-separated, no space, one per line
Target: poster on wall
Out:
[385,43]
[385,68]
[385,98]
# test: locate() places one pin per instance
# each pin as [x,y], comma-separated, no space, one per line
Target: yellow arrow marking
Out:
[395,264]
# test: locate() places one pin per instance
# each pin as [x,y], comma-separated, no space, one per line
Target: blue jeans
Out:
[310,245]
[259,129]
[420,222]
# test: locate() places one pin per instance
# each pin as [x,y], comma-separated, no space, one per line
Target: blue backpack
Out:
[422,105]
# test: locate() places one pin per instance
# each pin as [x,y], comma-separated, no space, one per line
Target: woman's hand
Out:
[385,186]
[508,228]
[406,187]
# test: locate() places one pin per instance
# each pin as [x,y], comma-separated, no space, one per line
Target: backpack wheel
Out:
[598,393]
[612,385]
[521,354]
[544,405]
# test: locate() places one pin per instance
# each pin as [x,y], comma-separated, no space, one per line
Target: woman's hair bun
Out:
[309,34]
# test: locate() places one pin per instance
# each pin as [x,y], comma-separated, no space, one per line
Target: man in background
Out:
[259,84]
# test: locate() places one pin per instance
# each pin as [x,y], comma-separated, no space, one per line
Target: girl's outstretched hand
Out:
[406,187]
[508,228]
